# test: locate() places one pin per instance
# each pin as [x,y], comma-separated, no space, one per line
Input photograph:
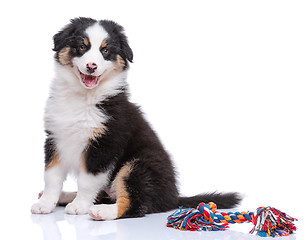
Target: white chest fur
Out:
[72,118]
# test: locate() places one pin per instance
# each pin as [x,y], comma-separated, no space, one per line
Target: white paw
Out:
[103,212]
[78,208]
[42,207]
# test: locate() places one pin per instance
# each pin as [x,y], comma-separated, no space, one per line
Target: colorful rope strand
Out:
[267,221]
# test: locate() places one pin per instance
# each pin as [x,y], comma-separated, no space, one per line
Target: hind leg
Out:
[139,190]
[122,204]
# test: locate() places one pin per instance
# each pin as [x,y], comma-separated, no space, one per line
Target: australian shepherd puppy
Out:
[94,132]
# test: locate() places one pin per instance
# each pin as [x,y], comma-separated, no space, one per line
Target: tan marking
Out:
[119,64]
[64,56]
[54,162]
[123,200]
[97,132]
[103,44]
[123,204]
[85,41]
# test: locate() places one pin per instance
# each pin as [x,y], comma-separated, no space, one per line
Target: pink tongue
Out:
[90,81]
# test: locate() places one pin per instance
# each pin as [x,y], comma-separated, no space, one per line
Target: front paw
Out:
[42,207]
[78,208]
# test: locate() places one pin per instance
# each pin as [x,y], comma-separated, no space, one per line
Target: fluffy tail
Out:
[222,200]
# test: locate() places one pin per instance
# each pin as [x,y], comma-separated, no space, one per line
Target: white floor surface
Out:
[60,226]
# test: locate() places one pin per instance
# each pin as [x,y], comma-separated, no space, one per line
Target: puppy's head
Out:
[93,50]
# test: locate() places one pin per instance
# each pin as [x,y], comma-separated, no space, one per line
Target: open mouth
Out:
[89,81]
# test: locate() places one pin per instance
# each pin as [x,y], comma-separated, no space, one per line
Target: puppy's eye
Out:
[105,51]
[82,47]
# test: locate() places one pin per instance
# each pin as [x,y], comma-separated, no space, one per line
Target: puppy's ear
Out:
[59,40]
[126,50]
[63,37]
[117,32]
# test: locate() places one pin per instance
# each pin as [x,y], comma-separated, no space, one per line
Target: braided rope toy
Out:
[267,221]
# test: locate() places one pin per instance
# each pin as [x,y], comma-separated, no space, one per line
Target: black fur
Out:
[130,137]
[72,36]
[222,200]
[50,149]
[117,41]
[151,184]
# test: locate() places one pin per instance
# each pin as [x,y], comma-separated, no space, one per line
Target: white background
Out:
[222,82]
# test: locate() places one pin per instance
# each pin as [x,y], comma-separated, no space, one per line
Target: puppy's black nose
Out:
[91,67]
